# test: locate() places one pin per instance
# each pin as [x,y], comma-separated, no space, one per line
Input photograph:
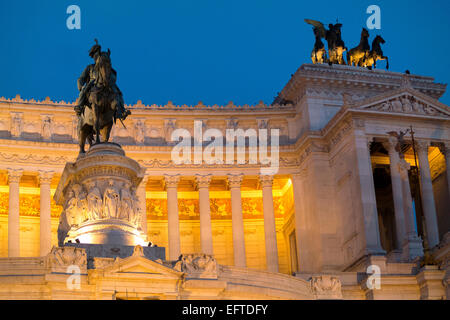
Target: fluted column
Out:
[234,183]
[368,198]
[45,178]
[412,244]
[14,176]
[426,190]
[205,214]
[301,223]
[445,149]
[397,194]
[269,223]
[173,221]
[142,198]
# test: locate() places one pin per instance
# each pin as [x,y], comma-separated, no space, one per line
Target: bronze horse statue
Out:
[376,54]
[99,115]
[359,54]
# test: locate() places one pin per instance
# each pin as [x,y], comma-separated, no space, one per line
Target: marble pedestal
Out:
[98,194]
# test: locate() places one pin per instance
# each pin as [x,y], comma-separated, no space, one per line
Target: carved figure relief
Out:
[66,256]
[86,203]
[95,202]
[111,201]
[198,264]
[326,287]
[406,104]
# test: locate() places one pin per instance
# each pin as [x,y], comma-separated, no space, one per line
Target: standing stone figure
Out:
[126,204]
[71,209]
[94,202]
[401,143]
[111,201]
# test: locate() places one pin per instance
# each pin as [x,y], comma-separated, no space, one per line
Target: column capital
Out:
[235,180]
[266,180]
[369,140]
[390,144]
[403,167]
[144,181]
[203,181]
[301,174]
[444,148]
[45,177]
[145,178]
[14,175]
[171,181]
[422,146]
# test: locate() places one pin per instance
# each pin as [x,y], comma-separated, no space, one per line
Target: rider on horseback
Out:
[86,81]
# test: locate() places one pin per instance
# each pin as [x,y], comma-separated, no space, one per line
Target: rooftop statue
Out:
[336,46]
[100,101]
[376,54]
[360,56]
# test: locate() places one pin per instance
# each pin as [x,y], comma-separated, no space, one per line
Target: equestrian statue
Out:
[100,102]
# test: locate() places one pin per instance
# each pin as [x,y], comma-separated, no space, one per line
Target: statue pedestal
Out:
[98,194]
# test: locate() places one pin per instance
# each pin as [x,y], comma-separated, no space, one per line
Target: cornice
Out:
[350,78]
[68,106]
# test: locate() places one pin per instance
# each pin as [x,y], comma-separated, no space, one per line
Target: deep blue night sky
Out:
[211,51]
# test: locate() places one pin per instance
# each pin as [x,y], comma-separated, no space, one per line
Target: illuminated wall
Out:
[220,204]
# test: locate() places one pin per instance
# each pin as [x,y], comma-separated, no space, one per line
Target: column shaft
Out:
[301,223]
[269,224]
[142,197]
[173,221]
[45,179]
[426,189]
[369,203]
[13,213]
[397,193]
[237,221]
[445,149]
[205,214]
[412,245]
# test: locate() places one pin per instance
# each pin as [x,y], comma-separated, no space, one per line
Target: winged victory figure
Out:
[336,46]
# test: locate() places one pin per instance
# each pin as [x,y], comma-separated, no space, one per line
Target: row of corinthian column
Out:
[171,183]
[407,238]
[206,241]
[45,178]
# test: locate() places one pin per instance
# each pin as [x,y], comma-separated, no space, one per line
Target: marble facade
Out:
[341,201]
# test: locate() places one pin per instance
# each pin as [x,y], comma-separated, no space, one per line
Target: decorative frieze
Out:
[407,104]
